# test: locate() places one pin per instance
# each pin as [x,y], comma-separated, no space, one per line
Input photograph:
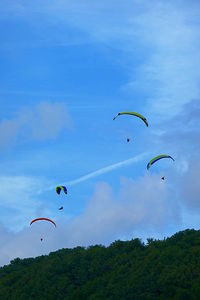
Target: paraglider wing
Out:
[132,113]
[61,187]
[116,116]
[43,219]
[64,189]
[156,158]
[58,189]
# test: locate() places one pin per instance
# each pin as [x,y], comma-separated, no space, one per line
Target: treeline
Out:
[167,269]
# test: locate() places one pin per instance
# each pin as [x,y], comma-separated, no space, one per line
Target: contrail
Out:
[106,169]
[101,171]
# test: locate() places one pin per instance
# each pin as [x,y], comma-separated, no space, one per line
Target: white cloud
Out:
[145,207]
[18,200]
[18,244]
[181,134]
[140,209]
[44,121]
[181,139]
[190,187]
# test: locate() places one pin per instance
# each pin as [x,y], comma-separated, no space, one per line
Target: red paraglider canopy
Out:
[43,219]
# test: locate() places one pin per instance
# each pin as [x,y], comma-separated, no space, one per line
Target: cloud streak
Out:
[108,169]
[101,171]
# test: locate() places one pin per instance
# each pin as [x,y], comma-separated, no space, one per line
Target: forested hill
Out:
[167,269]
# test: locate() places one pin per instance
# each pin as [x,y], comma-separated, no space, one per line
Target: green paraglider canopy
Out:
[156,158]
[132,113]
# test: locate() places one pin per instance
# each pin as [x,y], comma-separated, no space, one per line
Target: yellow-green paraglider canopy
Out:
[156,158]
[132,113]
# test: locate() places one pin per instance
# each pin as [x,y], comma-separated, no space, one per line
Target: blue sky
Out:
[67,68]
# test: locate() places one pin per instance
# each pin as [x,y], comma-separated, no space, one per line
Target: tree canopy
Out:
[159,269]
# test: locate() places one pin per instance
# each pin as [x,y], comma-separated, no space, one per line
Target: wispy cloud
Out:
[181,133]
[44,121]
[161,63]
[108,169]
[168,71]
[101,171]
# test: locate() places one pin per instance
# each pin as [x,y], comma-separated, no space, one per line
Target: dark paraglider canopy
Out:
[163,178]
[61,208]
[61,187]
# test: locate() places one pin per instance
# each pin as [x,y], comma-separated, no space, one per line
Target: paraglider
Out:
[156,158]
[43,219]
[61,187]
[128,140]
[163,178]
[132,113]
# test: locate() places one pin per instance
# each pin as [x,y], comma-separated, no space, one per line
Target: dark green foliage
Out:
[168,269]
